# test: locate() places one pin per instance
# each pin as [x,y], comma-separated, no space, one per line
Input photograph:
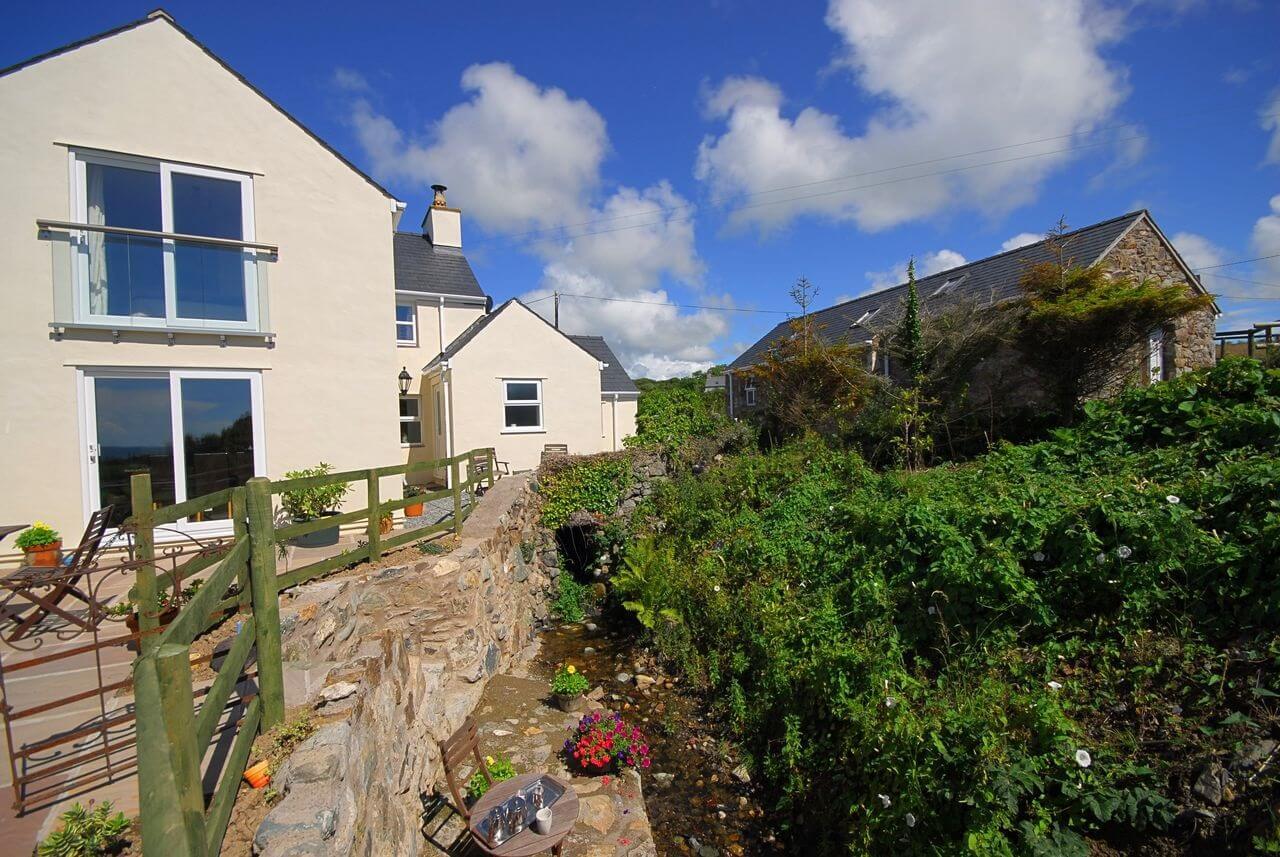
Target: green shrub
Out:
[570,603]
[915,660]
[86,832]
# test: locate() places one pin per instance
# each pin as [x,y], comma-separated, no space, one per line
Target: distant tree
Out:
[803,293]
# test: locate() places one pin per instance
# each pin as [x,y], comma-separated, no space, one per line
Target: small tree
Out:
[1078,327]
[803,293]
[809,385]
[909,336]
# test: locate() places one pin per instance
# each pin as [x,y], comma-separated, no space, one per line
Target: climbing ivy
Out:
[594,484]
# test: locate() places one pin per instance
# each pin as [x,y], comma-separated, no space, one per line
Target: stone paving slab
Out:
[517,719]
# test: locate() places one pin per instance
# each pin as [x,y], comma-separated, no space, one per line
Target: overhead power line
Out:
[1237,262]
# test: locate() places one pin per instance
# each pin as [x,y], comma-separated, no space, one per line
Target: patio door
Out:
[194,432]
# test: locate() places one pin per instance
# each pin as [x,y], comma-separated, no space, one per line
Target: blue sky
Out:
[709,154]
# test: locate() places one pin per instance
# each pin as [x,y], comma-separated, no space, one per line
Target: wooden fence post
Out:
[266,603]
[170,796]
[374,529]
[240,528]
[456,482]
[144,541]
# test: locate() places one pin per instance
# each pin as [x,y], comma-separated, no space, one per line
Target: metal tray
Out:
[552,791]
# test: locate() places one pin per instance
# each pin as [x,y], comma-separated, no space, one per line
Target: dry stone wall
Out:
[410,651]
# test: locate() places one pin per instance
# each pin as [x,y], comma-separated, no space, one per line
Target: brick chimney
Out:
[442,225]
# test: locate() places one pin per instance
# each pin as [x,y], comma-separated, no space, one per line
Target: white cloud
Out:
[1022,239]
[1271,122]
[350,80]
[1198,251]
[515,155]
[988,74]
[929,263]
[519,157]
[1266,238]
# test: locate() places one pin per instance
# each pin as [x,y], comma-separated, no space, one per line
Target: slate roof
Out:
[473,330]
[614,379]
[423,267]
[162,15]
[985,281]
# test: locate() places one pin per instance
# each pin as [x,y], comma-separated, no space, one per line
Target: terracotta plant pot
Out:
[413,510]
[568,701]
[256,775]
[44,556]
[384,525]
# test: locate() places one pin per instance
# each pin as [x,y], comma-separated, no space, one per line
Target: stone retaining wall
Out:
[411,649]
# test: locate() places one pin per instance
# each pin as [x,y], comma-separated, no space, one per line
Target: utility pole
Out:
[557,294]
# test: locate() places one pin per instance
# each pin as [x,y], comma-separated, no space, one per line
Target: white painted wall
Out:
[328,384]
[520,344]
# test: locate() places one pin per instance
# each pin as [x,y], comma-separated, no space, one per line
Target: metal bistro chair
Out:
[30,583]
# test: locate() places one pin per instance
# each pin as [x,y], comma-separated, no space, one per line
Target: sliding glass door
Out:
[194,432]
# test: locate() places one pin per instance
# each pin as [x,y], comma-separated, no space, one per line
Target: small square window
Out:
[521,406]
[406,324]
[410,421]
[949,286]
[750,397]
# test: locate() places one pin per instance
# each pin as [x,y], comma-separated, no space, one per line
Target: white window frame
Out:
[80,205]
[1155,356]
[948,285]
[749,396]
[506,400]
[412,322]
[416,418]
[90,488]
[866,316]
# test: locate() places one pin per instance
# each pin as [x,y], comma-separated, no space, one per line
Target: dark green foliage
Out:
[1077,326]
[910,338]
[571,599]
[896,634]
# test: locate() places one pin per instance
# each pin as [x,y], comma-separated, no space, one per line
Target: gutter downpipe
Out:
[441,317]
[615,422]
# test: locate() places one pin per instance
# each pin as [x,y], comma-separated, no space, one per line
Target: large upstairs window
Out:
[164,244]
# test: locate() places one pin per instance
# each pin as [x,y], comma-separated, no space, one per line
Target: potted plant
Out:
[603,742]
[41,544]
[170,603]
[385,523]
[413,510]
[311,503]
[567,686]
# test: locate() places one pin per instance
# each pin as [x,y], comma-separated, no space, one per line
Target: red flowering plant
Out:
[602,741]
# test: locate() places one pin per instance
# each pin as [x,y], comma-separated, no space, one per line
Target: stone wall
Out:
[1142,254]
[407,652]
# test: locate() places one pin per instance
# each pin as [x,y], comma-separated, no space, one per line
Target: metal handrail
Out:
[63,225]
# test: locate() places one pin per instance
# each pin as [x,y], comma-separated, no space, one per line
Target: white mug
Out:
[542,821]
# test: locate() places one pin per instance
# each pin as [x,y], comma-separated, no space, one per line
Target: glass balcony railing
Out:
[120,278]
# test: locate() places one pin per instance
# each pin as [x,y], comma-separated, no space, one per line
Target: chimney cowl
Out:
[439,200]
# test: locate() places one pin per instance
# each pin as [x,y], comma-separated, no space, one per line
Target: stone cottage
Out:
[1130,245]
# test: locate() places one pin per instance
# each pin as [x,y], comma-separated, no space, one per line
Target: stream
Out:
[696,804]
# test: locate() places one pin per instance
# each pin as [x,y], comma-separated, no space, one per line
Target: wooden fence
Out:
[174,734]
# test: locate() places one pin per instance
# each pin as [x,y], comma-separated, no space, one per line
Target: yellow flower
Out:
[571,669]
[488,760]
